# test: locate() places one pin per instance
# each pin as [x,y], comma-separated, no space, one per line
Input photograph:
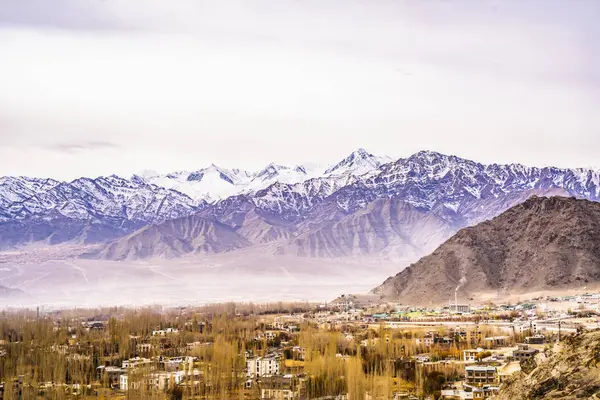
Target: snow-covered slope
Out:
[209,184]
[429,179]
[280,200]
[459,191]
[358,163]
[104,197]
[20,188]
[214,183]
[273,173]
[84,210]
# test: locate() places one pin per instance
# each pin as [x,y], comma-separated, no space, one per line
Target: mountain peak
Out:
[430,156]
[359,162]
[270,171]
[212,167]
[362,152]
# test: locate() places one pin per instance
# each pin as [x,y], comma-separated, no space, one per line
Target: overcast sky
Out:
[94,87]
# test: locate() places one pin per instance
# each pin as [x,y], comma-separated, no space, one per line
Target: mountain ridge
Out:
[172,239]
[462,192]
[542,243]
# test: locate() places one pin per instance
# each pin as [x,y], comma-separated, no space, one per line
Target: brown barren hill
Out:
[172,239]
[543,243]
[386,227]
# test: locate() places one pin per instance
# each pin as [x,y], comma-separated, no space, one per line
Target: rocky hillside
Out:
[342,210]
[389,229]
[543,243]
[572,373]
[386,227]
[172,239]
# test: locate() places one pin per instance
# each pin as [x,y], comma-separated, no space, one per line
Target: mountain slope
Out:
[283,202]
[359,162]
[542,243]
[208,184]
[173,238]
[386,227]
[571,373]
[60,229]
[20,188]
[255,225]
[428,180]
[213,183]
[110,196]
[84,210]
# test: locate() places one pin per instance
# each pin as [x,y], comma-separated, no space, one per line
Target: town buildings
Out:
[263,366]
[524,353]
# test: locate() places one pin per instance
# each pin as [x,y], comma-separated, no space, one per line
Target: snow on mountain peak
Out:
[274,173]
[213,183]
[147,173]
[427,180]
[210,183]
[359,162]
[271,171]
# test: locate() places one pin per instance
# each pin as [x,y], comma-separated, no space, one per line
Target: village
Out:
[352,347]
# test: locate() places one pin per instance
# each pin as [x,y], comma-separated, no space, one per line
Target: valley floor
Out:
[241,277]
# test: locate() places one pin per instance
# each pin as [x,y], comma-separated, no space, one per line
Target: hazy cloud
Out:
[81,147]
[58,14]
[243,83]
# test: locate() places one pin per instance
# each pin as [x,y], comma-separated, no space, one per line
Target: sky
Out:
[95,87]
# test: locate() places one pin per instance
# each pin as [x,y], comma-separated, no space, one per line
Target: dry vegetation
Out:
[58,355]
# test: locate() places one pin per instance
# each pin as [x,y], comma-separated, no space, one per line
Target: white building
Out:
[299,353]
[471,355]
[177,363]
[137,362]
[144,347]
[427,340]
[164,380]
[164,332]
[159,380]
[124,382]
[263,366]
[474,393]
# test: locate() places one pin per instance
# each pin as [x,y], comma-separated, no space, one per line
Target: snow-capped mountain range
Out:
[293,200]
[214,183]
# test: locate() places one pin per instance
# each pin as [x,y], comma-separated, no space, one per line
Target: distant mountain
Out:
[174,238]
[214,183]
[277,173]
[429,180]
[20,188]
[359,162]
[386,227]
[84,210]
[301,210]
[55,229]
[255,225]
[207,184]
[91,199]
[543,243]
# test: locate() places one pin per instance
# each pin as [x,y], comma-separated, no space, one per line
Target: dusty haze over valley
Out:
[273,150]
[343,229]
[299,199]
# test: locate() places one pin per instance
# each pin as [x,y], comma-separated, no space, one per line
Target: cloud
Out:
[81,146]
[62,14]
[243,83]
